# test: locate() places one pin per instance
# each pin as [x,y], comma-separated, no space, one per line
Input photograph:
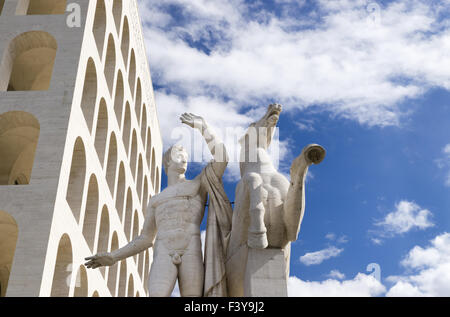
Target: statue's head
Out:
[175,159]
[260,133]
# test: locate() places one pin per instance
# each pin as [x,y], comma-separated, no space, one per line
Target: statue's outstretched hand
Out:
[98,260]
[192,120]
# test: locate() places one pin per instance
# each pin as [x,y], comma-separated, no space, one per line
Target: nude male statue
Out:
[172,224]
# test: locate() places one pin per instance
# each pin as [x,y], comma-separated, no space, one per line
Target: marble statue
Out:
[269,209]
[247,251]
[172,225]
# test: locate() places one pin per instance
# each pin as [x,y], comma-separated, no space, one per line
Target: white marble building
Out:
[80,146]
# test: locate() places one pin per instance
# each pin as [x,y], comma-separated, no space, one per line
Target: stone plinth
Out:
[265,274]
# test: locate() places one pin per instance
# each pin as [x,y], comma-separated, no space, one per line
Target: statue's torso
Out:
[179,211]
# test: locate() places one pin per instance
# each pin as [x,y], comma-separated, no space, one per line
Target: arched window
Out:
[76,178]
[118,100]
[120,191]
[101,131]
[8,239]
[110,63]
[41,7]
[112,274]
[63,268]
[144,123]
[138,100]
[128,214]
[149,147]
[103,236]
[122,279]
[81,283]
[112,163]
[126,128]
[19,134]
[145,197]
[99,27]
[125,41]
[117,12]
[90,216]
[89,96]
[153,169]
[130,286]
[133,155]
[28,61]
[132,72]
[139,178]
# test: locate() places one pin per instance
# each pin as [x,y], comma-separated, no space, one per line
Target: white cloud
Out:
[336,274]
[333,237]
[377,241]
[317,257]
[429,270]
[341,64]
[361,286]
[446,150]
[406,216]
[444,162]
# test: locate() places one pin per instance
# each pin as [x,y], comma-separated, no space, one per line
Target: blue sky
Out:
[369,81]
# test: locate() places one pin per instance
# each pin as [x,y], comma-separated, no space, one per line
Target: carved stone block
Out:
[265,274]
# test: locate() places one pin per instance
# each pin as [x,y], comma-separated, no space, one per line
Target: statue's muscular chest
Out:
[180,203]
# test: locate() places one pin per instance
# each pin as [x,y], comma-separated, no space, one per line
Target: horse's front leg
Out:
[257,232]
[294,206]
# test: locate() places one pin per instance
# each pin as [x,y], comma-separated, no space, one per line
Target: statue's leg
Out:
[163,274]
[257,232]
[191,271]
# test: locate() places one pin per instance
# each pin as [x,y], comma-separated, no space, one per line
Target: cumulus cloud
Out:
[361,285]
[317,257]
[406,216]
[427,270]
[331,58]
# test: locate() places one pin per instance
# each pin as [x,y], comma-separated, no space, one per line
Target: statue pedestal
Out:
[265,273]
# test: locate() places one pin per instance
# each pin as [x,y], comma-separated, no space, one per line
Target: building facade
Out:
[80,146]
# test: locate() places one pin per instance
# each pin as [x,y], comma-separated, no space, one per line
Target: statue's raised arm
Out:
[218,226]
[215,144]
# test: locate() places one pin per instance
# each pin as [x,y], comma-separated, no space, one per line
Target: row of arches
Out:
[38,7]
[90,93]
[100,21]
[88,106]
[128,55]
[117,278]
[77,176]
[76,185]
